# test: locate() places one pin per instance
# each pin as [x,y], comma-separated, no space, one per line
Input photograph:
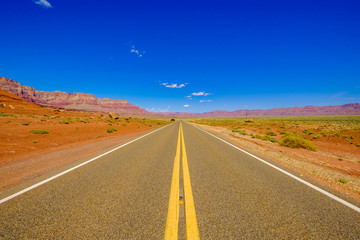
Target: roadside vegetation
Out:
[54,128]
[293,131]
[325,149]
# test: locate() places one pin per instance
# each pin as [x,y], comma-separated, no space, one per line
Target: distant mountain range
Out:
[88,102]
[347,109]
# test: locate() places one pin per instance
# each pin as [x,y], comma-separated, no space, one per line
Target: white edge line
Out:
[352,206]
[73,168]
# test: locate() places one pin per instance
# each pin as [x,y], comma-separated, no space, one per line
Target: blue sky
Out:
[187,56]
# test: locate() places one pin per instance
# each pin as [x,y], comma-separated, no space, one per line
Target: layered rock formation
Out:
[84,101]
[80,101]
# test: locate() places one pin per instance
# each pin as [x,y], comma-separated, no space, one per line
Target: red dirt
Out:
[72,135]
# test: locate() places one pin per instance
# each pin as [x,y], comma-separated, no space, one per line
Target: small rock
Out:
[3,105]
[11,106]
[114,115]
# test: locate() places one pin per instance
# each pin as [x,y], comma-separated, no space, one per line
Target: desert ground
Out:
[36,139]
[330,155]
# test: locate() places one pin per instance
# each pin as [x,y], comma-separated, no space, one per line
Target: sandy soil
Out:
[323,166]
[69,136]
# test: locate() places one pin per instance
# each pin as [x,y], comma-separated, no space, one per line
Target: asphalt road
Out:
[125,195]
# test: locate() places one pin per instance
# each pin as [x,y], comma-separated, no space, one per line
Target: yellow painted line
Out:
[192,231]
[172,222]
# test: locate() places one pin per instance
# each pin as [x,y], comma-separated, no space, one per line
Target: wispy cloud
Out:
[338,95]
[174,85]
[158,109]
[44,3]
[186,105]
[203,93]
[136,51]
[205,100]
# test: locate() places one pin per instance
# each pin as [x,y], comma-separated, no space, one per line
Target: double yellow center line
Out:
[172,222]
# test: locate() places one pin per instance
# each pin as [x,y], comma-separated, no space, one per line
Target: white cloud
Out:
[189,97]
[186,105]
[205,100]
[136,51]
[44,3]
[203,93]
[174,85]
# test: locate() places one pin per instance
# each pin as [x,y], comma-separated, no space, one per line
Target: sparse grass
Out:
[7,115]
[111,120]
[270,134]
[35,141]
[298,142]
[242,132]
[319,128]
[40,131]
[308,131]
[266,138]
[25,124]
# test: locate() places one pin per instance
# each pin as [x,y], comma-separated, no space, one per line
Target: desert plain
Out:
[37,139]
[330,155]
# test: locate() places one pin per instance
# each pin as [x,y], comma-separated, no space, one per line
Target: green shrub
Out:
[25,123]
[110,130]
[242,132]
[268,138]
[298,142]
[270,133]
[342,180]
[309,131]
[64,122]
[39,131]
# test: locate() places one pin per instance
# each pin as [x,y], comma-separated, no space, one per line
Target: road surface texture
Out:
[129,194]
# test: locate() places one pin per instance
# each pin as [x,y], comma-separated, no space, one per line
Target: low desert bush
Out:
[40,131]
[297,142]
[270,133]
[110,130]
[242,132]
[342,180]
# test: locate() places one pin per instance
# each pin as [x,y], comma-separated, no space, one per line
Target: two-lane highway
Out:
[126,194]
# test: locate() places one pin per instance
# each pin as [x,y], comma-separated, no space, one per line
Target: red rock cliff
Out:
[80,101]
